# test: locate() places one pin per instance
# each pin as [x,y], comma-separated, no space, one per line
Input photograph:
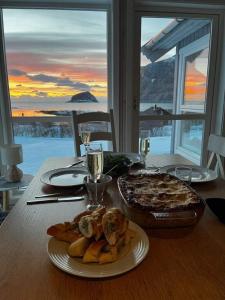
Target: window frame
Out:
[184,52]
[5,103]
[210,110]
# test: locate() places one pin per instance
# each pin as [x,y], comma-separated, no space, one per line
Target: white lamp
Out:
[11,155]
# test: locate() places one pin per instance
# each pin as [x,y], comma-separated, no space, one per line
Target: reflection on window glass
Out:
[196,77]
[156,89]
[160,135]
[191,135]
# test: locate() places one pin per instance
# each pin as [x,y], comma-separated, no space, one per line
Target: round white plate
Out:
[199,174]
[64,177]
[130,256]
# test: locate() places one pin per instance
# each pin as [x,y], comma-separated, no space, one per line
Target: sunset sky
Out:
[55,53]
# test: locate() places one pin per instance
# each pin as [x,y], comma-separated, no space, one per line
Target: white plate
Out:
[64,177]
[129,258]
[199,174]
[134,157]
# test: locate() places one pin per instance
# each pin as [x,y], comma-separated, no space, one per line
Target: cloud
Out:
[98,86]
[18,85]
[49,44]
[71,66]
[41,94]
[60,81]
[16,72]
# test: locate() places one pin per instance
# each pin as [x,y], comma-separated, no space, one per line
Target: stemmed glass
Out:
[85,137]
[95,163]
[144,148]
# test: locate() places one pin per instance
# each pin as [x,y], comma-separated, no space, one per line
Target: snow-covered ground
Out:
[37,149]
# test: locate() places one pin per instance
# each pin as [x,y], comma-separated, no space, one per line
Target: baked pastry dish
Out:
[95,236]
[156,192]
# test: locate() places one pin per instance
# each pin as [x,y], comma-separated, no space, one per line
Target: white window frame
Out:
[5,104]
[188,50]
[133,129]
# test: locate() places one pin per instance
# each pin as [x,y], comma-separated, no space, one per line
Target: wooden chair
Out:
[216,145]
[95,136]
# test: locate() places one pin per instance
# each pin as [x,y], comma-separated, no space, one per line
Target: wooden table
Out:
[181,264]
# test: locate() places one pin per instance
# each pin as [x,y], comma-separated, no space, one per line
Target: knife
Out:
[74,164]
[55,200]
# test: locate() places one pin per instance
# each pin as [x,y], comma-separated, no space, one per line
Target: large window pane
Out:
[196,77]
[191,135]
[173,80]
[57,62]
[157,71]
[160,133]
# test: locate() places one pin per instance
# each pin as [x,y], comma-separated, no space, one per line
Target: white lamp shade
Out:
[11,154]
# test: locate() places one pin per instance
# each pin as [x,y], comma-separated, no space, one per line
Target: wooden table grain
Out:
[181,264]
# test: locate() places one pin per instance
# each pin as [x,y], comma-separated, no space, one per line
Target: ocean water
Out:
[61,104]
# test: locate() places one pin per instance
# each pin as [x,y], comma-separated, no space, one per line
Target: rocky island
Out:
[83,97]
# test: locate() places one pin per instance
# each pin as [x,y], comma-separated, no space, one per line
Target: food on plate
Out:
[114,225]
[157,192]
[122,161]
[96,236]
[79,247]
[66,232]
[91,225]
[93,251]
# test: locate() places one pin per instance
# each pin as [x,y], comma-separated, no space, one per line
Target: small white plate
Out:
[65,177]
[199,174]
[129,258]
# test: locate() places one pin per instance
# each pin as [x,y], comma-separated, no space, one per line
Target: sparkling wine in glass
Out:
[85,137]
[95,163]
[144,148]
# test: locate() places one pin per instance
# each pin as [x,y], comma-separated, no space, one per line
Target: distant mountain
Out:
[157,81]
[83,97]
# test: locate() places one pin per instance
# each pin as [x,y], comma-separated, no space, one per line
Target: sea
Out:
[39,106]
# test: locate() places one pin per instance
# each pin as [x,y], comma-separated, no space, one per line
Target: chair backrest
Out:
[95,136]
[216,145]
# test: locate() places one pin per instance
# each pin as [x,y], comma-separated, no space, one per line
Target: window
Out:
[174,62]
[192,95]
[57,62]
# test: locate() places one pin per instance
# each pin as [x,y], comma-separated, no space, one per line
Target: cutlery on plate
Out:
[55,200]
[74,164]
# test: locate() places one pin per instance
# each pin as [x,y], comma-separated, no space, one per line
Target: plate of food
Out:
[97,244]
[65,177]
[159,200]
[199,174]
[122,160]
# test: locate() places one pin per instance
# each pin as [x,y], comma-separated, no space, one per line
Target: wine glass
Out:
[144,148]
[85,137]
[95,163]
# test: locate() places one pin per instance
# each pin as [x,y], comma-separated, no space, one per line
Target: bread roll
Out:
[114,225]
[110,256]
[93,251]
[78,248]
[64,232]
[91,225]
